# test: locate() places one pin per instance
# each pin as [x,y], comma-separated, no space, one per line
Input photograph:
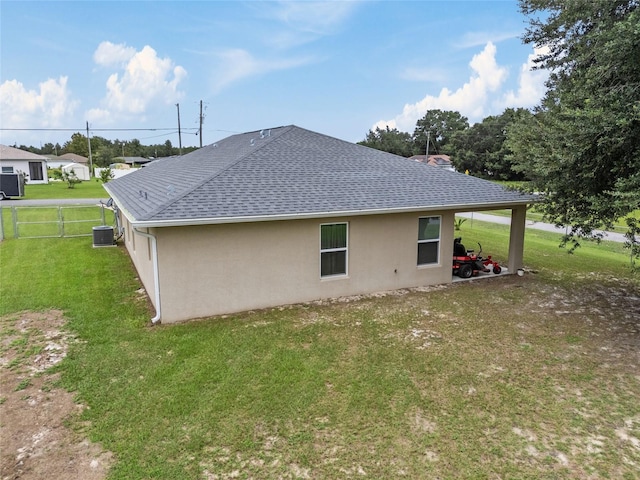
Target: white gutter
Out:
[309,215]
[156,274]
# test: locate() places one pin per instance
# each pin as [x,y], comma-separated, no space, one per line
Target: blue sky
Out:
[339,68]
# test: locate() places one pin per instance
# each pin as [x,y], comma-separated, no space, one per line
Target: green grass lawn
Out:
[87,189]
[534,377]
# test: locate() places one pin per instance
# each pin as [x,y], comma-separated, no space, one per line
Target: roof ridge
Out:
[163,206]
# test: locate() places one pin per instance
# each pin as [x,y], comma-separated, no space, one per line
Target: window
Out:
[35,171]
[333,249]
[428,240]
[7,169]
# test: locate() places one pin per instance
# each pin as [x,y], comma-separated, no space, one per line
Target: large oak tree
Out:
[581,148]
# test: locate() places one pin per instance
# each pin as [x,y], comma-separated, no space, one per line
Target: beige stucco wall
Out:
[139,249]
[217,269]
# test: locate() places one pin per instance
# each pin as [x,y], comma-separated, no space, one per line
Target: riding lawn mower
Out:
[467,264]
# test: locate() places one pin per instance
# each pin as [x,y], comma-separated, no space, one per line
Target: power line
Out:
[92,129]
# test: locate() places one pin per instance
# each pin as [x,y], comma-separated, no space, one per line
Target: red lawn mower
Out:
[467,264]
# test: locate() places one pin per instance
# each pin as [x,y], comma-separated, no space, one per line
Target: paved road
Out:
[547,227]
[47,202]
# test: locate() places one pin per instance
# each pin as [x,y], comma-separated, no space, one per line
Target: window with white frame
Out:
[333,249]
[7,169]
[428,240]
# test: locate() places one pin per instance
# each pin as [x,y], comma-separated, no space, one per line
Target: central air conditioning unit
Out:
[103,236]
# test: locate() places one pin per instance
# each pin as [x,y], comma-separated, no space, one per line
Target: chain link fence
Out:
[52,221]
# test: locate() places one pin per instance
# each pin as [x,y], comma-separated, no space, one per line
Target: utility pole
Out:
[179,131]
[426,160]
[201,120]
[90,159]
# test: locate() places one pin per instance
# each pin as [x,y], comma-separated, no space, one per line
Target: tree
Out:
[70,178]
[106,174]
[481,149]
[441,125]
[581,149]
[78,145]
[104,155]
[47,149]
[168,149]
[389,140]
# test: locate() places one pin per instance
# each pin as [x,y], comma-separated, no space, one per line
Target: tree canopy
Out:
[581,148]
[442,125]
[389,140]
[480,149]
[105,151]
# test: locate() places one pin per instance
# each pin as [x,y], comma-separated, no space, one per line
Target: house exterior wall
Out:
[139,248]
[226,268]
[23,166]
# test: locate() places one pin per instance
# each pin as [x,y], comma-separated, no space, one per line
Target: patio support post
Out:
[516,238]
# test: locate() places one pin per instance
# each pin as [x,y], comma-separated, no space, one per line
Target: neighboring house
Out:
[74,158]
[55,161]
[135,161]
[80,171]
[14,160]
[287,215]
[442,161]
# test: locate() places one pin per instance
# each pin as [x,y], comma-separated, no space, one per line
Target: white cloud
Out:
[109,54]
[49,106]
[237,64]
[320,18]
[472,99]
[304,22]
[144,80]
[531,84]
[476,39]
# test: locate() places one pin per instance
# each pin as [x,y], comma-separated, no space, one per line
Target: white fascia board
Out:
[304,216]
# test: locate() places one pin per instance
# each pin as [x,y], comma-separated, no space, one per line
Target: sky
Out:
[339,68]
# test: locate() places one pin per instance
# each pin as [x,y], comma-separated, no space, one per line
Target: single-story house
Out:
[135,161]
[442,161]
[81,171]
[287,215]
[75,158]
[54,161]
[14,160]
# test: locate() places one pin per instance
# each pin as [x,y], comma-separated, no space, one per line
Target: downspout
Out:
[156,276]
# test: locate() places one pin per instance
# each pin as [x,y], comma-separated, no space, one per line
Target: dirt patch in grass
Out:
[35,443]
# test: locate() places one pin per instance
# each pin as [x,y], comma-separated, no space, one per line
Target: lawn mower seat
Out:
[458,248]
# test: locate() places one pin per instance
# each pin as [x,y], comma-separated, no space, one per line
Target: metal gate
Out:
[52,221]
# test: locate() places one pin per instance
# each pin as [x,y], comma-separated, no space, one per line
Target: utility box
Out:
[11,185]
[103,236]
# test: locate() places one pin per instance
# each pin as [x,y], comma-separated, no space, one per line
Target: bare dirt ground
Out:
[35,443]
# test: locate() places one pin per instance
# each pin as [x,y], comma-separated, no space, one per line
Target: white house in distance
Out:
[14,160]
[56,161]
[286,215]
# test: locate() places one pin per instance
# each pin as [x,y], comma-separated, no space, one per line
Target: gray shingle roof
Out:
[11,153]
[289,171]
